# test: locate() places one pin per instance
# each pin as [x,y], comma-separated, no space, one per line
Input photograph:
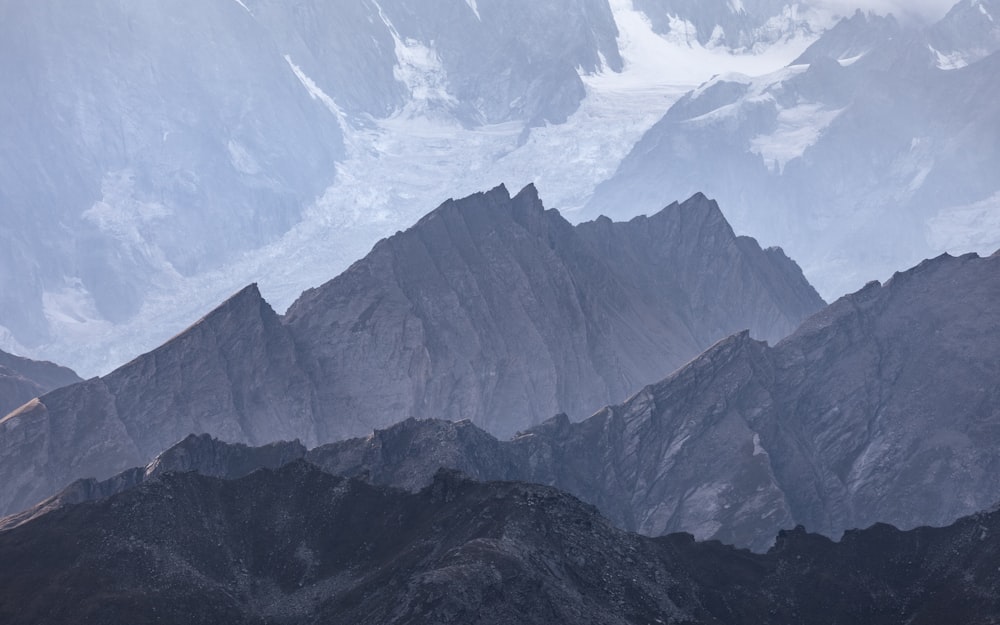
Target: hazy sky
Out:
[927,10]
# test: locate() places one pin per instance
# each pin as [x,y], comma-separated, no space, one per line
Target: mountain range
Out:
[881,407]
[227,142]
[490,308]
[298,545]
[874,149]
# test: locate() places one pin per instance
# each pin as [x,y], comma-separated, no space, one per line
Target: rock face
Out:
[864,155]
[22,379]
[882,407]
[499,311]
[298,545]
[491,308]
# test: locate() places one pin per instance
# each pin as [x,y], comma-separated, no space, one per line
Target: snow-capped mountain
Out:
[157,156]
[875,148]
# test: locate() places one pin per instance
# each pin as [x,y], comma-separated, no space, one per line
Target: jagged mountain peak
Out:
[491,308]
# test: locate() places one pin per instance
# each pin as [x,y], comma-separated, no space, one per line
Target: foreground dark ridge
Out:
[490,308]
[299,545]
[883,407]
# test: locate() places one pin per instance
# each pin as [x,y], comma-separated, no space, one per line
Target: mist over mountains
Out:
[490,308]
[506,411]
[144,183]
[873,150]
[882,407]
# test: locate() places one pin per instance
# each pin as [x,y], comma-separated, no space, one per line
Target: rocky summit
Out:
[490,308]
[298,545]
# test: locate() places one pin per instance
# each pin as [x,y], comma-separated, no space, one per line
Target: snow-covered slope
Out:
[879,146]
[213,144]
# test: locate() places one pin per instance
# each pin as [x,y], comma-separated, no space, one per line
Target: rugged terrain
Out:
[298,545]
[874,149]
[22,379]
[490,308]
[882,407]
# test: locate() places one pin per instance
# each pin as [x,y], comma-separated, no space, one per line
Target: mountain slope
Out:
[491,308]
[882,407]
[866,154]
[301,545]
[496,310]
[22,379]
[208,129]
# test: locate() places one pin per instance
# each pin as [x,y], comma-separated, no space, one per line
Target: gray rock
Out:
[491,308]
[862,157]
[23,379]
[297,545]
[883,407]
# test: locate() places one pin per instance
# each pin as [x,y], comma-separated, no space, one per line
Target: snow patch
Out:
[245,7]
[757,449]
[316,93]
[120,213]
[955,60]
[798,128]
[851,60]
[419,68]
[966,228]
[241,159]
[679,59]
[475,9]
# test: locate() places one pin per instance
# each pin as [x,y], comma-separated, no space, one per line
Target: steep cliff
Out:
[490,308]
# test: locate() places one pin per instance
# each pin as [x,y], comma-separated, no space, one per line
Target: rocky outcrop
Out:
[882,407]
[496,310]
[491,308]
[300,546]
[232,374]
[22,379]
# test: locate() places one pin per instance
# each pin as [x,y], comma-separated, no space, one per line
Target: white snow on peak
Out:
[983,10]
[955,60]
[679,59]
[475,9]
[240,2]
[798,128]
[966,228]
[736,6]
[419,68]
[851,60]
[315,92]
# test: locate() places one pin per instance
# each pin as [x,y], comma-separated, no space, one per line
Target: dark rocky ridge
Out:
[22,379]
[490,308]
[499,311]
[881,407]
[298,545]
